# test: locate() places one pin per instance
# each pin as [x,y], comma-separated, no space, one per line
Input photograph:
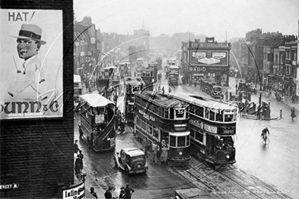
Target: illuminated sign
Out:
[209,57]
[31,72]
[76,191]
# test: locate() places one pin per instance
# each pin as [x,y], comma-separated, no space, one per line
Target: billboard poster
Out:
[31,63]
[209,57]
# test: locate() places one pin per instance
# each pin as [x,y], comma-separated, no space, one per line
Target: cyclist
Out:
[264,133]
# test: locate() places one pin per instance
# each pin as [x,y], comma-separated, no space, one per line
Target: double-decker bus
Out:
[173,76]
[161,118]
[77,89]
[213,128]
[97,118]
[131,86]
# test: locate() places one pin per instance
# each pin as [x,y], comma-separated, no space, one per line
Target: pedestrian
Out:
[122,125]
[78,166]
[293,113]
[108,194]
[154,149]
[122,193]
[80,154]
[164,156]
[76,149]
[128,191]
[145,146]
[163,90]
[92,192]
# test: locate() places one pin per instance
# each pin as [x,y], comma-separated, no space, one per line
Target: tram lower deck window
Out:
[173,141]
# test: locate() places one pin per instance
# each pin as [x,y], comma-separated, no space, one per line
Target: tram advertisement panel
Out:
[31,46]
[209,57]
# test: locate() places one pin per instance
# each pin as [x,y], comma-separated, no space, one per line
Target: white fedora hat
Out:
[31,31]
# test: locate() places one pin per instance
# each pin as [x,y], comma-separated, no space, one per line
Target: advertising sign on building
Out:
[31,46]
[209,57]
[76,191]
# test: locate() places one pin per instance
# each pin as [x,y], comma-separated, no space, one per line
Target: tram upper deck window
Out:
[212,115]
[166,113]
[207,113]
[228,117]
[219,116]
[172,113]
[192,108]
[199,111]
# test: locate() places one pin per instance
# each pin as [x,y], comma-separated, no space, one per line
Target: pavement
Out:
[287,102]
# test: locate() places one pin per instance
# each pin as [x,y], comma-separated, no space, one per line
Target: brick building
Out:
[37,154]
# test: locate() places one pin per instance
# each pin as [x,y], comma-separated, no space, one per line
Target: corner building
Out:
[208,59]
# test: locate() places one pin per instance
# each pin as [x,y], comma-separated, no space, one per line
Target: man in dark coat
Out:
[129,191]
[78,166]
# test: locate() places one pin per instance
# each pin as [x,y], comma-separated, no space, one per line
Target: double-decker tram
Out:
[97,118]
[160,119]
[212,127]
[131,86]
[149,76]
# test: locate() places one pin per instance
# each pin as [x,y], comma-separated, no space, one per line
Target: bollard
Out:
[280,114]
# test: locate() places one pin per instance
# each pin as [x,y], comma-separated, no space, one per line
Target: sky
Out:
[213,18]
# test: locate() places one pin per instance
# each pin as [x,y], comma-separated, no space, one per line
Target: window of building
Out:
[281,58]
[295,56]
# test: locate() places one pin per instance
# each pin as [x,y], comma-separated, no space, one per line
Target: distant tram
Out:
[131,86]
[159,118]
[149,76]
[97,118]
[213,127]
[173,76]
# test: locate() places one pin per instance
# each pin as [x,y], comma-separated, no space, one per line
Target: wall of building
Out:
[38,153]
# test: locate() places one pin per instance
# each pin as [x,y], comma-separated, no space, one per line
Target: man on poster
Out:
[29,85]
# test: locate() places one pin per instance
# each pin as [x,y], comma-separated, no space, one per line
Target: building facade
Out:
[209,59]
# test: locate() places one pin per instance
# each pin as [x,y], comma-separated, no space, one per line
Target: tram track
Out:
[228,184]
